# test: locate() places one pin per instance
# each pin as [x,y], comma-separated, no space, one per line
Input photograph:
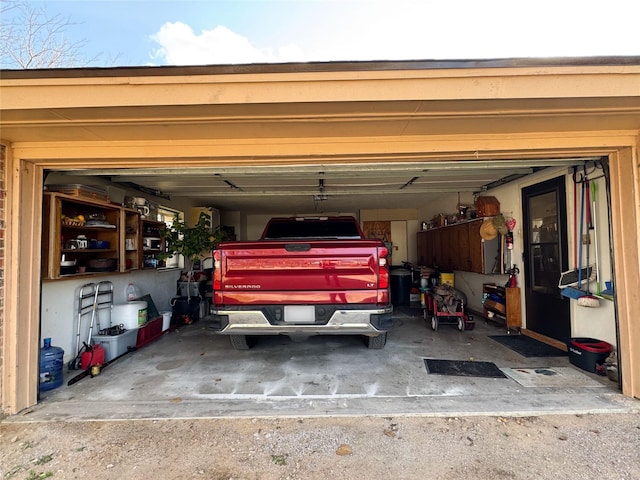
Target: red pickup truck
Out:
[305,276]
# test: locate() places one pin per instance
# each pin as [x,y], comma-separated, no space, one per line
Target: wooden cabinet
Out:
[83,236]
[459,247]
[506,308]
[131,245]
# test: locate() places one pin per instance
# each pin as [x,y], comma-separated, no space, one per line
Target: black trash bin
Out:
[185,310]
[401,280]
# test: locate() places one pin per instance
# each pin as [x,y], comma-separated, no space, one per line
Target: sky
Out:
[204,32]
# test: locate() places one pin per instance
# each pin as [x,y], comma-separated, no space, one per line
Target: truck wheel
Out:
[377,342]
[241,342]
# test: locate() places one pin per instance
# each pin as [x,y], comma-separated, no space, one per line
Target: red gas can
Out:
[92,356]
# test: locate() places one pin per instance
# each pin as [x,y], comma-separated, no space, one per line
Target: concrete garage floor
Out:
[193,373]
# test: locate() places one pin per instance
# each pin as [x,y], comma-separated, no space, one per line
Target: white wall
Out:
[59,304]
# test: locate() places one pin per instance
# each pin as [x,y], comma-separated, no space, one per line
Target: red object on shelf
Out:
[149,332]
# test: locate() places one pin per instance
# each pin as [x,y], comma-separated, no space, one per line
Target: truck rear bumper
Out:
[343,321]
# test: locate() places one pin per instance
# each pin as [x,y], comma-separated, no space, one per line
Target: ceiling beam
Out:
[325,169]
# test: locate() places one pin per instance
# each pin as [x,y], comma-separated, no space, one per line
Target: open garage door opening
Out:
[241,199]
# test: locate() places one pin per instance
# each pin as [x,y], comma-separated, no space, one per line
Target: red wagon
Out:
[446,306]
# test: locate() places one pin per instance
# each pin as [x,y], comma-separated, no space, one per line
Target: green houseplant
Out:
[192,243]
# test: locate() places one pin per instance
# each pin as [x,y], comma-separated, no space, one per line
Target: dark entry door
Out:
[545,258]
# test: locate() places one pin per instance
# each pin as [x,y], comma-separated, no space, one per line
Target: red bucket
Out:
[587,353]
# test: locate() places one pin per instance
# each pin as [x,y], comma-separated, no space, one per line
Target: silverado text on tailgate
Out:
[305,276]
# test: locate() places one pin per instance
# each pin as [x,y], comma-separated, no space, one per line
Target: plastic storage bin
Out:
[587,353]
[448,278]
[151,331]
[116,345]
[132,315]
[166,320]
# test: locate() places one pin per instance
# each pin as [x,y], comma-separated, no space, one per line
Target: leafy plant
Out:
[279,459]
[191,242]
[33,475]
[44,459]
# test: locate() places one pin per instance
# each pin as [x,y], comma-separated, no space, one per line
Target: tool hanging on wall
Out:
[594,215]
[513,277]
[588,300]
[571,279]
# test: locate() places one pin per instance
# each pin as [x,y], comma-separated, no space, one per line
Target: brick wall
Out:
[3,157]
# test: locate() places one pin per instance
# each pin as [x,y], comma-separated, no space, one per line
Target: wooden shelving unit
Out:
[131,245]
[152,243]
[508,310]
[118,240]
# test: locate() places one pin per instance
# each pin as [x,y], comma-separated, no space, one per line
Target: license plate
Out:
[299,314]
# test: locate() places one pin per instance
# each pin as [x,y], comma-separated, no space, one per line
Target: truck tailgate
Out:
[316,271]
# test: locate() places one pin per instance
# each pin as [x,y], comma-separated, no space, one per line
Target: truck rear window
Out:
[312,229]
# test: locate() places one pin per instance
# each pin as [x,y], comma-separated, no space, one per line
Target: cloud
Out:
[179,45]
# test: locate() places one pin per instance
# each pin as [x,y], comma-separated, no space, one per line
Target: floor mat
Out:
[463,368]
[551,377]
[527,346]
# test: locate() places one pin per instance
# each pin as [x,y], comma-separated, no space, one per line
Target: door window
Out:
[543,211]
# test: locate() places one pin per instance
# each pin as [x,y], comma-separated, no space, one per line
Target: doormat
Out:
[527,346]
[550,377]
[463,368]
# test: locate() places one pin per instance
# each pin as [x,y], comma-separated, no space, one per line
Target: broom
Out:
[574,277]
[588,300]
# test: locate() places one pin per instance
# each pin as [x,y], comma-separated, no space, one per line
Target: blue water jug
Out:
[51,362]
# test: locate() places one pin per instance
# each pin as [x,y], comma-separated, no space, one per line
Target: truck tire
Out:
[241,342]
[377,342]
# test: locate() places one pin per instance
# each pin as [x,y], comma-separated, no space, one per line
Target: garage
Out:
[389,142]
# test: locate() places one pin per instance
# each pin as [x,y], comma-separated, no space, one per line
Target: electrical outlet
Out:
[586,239]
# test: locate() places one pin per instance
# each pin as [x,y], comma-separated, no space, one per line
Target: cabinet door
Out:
[438,259]
[476,250]
[421,245]
[429,248]
[446,247]
[462,257]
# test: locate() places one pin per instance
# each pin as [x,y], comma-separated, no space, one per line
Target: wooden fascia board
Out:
[466,84]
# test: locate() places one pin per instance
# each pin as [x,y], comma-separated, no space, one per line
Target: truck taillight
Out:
[383,281]
[383,273]
[217,271]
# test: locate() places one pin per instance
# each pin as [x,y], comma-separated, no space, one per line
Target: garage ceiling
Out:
[323,188]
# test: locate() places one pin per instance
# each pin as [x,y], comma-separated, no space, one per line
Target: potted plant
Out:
[193,243]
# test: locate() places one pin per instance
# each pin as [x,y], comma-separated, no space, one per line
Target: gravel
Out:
[554,446]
